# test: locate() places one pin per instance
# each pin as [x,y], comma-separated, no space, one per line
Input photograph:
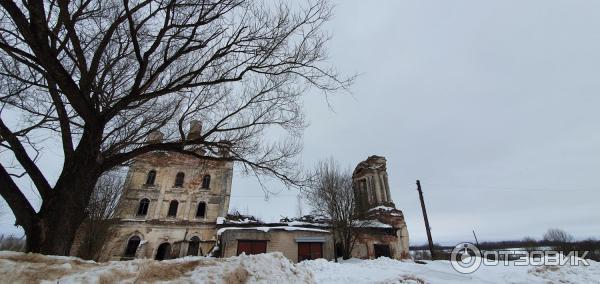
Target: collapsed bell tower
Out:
[370,184]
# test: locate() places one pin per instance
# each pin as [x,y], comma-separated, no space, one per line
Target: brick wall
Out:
[277,240]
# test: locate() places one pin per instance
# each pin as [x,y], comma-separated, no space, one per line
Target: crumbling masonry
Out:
[175,205]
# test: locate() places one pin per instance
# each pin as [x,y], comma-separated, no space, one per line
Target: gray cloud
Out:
[492,104]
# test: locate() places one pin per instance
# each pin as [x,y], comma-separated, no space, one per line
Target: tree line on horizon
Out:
[556,239]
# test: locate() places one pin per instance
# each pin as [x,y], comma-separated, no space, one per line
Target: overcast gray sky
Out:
[493,105]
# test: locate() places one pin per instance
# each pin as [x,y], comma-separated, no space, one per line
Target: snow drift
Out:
[266,268]
[273,268]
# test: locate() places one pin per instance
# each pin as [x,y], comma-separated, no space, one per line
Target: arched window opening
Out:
[179,178]
[201,211]
[132,246]
[163,252]
[194,246]
[143,207]
[150,179]
[173,208]
[206,181]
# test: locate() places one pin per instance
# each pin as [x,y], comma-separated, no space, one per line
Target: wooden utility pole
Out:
[476,241]
[426,220]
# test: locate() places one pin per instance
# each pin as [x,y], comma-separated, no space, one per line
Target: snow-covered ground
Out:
[385,270]
[272,268]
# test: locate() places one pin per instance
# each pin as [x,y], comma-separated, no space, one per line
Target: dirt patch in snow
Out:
[40,258]
[412,279]
[265,268]
[152,271]
[236,276]
[33,268]
[113,275]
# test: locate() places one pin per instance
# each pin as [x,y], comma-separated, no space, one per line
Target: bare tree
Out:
[12,243]
[529,243]
[559,238]
[94,231]
[331,196]
[100,76]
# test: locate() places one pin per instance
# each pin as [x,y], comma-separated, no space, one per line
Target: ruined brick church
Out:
[175,205]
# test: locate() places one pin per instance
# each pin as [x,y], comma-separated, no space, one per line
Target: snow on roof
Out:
[242,221]
[249,224]
[373,224]
[381,207]
[389,210]
[267,229]
[237,218]
[299,223]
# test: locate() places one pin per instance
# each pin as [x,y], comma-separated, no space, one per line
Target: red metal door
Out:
[309,251]
[251,247]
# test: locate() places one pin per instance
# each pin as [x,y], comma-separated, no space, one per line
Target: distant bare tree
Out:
[529,244]
[100,76]
[12,243]
[559,238]
[332,197]
[94,231]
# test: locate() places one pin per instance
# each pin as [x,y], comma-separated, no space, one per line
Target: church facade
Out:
[169,207]
[175,205]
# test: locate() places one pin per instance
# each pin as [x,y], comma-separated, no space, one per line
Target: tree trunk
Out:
[347,243]
[56,224]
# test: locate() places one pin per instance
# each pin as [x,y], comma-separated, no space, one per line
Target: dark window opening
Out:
[194,246]
[365,196]
[251,247]
[201,211]
[132,246]
[151,178]
[206,181]
[382,250]
[309,251]
[143,207]
[163,252]
[179,178]
[173,208]
[363,184]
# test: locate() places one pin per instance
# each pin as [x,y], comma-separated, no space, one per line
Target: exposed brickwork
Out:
[156,227]
[282,241]
[373,198]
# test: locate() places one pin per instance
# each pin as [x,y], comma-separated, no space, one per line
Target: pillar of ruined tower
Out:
[370,184]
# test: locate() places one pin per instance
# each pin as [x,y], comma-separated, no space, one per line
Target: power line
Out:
[469,187]
[510,187]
